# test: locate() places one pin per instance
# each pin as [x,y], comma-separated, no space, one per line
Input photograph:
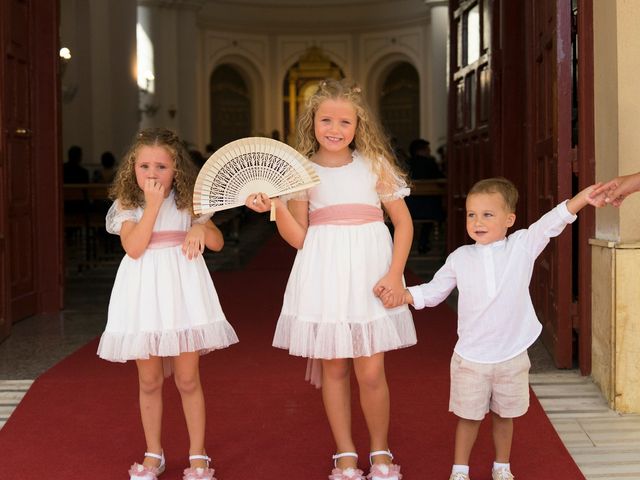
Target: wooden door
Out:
[584,170]
[550,175]
[472,109]
[5,293]
[18,171]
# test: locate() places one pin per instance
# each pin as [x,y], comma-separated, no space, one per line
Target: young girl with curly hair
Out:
[163,304]
[331,313]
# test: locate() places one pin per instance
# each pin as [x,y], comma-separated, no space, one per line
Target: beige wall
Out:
[616,250]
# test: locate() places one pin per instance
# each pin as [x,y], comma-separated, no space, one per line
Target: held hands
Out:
[153,193]
[194,241]
[585,197]
[615,191]
[391,291]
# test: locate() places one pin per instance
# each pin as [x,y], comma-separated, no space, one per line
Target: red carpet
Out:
[80,419]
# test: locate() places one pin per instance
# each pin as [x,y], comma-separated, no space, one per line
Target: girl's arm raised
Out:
[391,284]
[136,236]
[292,218]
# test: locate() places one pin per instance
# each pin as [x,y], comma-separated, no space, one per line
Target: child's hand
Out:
[194,241]
[583,198]
[258,202]
[388,299]
[596,199]
[390,290]
[153,193]
[615,191]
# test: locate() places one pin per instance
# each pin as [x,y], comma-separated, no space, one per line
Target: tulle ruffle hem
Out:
[120,347]
[324,339]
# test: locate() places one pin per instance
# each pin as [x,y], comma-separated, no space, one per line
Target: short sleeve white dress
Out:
[329,309]
[162,303]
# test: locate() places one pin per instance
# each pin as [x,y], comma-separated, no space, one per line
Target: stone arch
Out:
[407,87]
[230,106]
[254,82]
[319,65]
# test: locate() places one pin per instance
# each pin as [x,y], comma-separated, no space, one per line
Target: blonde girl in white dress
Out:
[163,304]
[331,313]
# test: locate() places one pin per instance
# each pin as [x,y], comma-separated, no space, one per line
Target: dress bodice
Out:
[354,182]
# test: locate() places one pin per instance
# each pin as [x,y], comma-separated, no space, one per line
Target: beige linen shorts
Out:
[501,387]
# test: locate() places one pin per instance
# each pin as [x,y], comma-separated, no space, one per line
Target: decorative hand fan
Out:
[250,165]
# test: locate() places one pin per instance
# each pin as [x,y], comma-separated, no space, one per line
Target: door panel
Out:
[510,115]
[19,178]
[471,107]
[550,173]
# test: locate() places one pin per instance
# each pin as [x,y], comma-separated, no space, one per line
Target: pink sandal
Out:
[199,473]
[142,472]
[383,471]
[349,473]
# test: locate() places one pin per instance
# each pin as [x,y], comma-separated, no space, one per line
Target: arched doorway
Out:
[400,104]
[301,82]
[230,106]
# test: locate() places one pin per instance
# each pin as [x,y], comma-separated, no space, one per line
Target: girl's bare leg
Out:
[150,379]
[187,378]
[336,395]
[374,400]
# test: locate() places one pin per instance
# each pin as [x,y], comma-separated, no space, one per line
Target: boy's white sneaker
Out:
[459,476]
[502,474]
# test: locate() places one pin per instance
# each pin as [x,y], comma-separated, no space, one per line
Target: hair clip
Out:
[356,89]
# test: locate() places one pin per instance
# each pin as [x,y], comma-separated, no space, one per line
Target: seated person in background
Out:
[398,151]
[73,172]
[422,165]
[106,173]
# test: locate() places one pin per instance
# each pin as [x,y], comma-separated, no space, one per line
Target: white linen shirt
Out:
[496,318]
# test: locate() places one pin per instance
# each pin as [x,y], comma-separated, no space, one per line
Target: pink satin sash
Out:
[168,238]
[346,214]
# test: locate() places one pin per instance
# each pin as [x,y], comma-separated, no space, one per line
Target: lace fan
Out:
[250,165]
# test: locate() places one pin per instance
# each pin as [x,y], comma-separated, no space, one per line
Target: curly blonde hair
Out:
[370,139]
[125,186]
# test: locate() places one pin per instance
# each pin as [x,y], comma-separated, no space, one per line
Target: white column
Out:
[437,112]
[174,35]
[75,81]
[99,110]
[188,54]
[113,83]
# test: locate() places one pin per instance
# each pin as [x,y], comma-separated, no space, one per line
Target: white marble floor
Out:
[11,393]
[604,444]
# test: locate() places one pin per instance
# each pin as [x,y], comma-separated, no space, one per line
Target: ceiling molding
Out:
[312,16]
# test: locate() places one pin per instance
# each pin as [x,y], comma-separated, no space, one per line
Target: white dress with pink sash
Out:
[329,309]
[162,303]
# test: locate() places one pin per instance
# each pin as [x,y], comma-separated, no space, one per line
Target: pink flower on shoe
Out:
[140,472]
[346,474]
[198,474]
[382,471]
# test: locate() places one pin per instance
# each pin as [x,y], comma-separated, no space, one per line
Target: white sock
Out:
[460,469]
[498,466]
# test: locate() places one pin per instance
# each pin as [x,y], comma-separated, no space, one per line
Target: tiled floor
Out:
[604,444]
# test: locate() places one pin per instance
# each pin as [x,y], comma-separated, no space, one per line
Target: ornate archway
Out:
[400,104]
[301,82]
[230,106]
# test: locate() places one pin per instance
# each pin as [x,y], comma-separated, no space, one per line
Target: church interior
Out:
[480,88]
